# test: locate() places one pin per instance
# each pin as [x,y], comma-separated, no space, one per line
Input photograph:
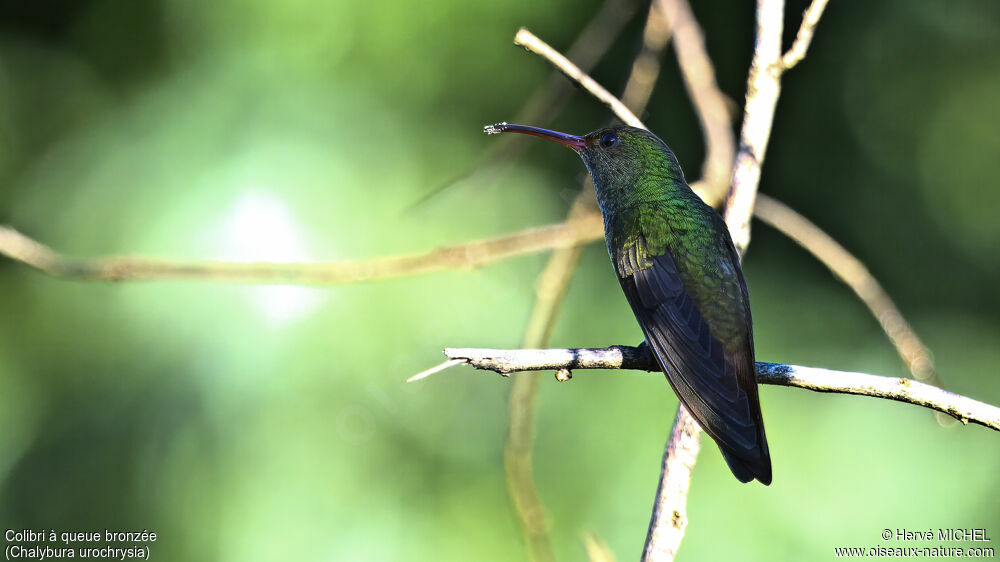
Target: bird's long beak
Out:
[572,141]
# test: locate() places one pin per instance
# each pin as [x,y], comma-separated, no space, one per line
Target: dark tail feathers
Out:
[745,471]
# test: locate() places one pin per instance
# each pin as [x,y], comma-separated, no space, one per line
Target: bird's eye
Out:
[609,139]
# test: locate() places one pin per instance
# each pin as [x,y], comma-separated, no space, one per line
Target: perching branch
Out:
[962,408]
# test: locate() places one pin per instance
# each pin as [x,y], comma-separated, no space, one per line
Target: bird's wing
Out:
[716,384]
[742,356]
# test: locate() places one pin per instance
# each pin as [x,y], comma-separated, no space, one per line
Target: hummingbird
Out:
[681,274]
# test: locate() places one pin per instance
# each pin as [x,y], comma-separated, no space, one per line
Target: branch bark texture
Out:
[962,408]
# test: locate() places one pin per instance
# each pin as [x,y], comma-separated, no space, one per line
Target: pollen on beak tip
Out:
[495,128]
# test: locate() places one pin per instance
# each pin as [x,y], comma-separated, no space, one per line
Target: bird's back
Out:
[680,273]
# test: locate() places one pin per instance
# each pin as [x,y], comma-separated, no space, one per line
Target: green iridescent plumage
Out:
[681,275]
[649,209]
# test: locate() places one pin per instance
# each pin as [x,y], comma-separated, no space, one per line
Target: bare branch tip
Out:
[435,369]
[523,36]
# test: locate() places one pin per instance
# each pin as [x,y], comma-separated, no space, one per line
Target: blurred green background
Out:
[272,423]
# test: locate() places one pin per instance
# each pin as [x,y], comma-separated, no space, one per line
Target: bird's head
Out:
[618,158]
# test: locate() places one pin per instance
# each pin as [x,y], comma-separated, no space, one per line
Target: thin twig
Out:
[963,408]
[529,41]
[435,369]
[810,18]
[850,270]
[21,248]
[587,49]
[710,104]
[646,65]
